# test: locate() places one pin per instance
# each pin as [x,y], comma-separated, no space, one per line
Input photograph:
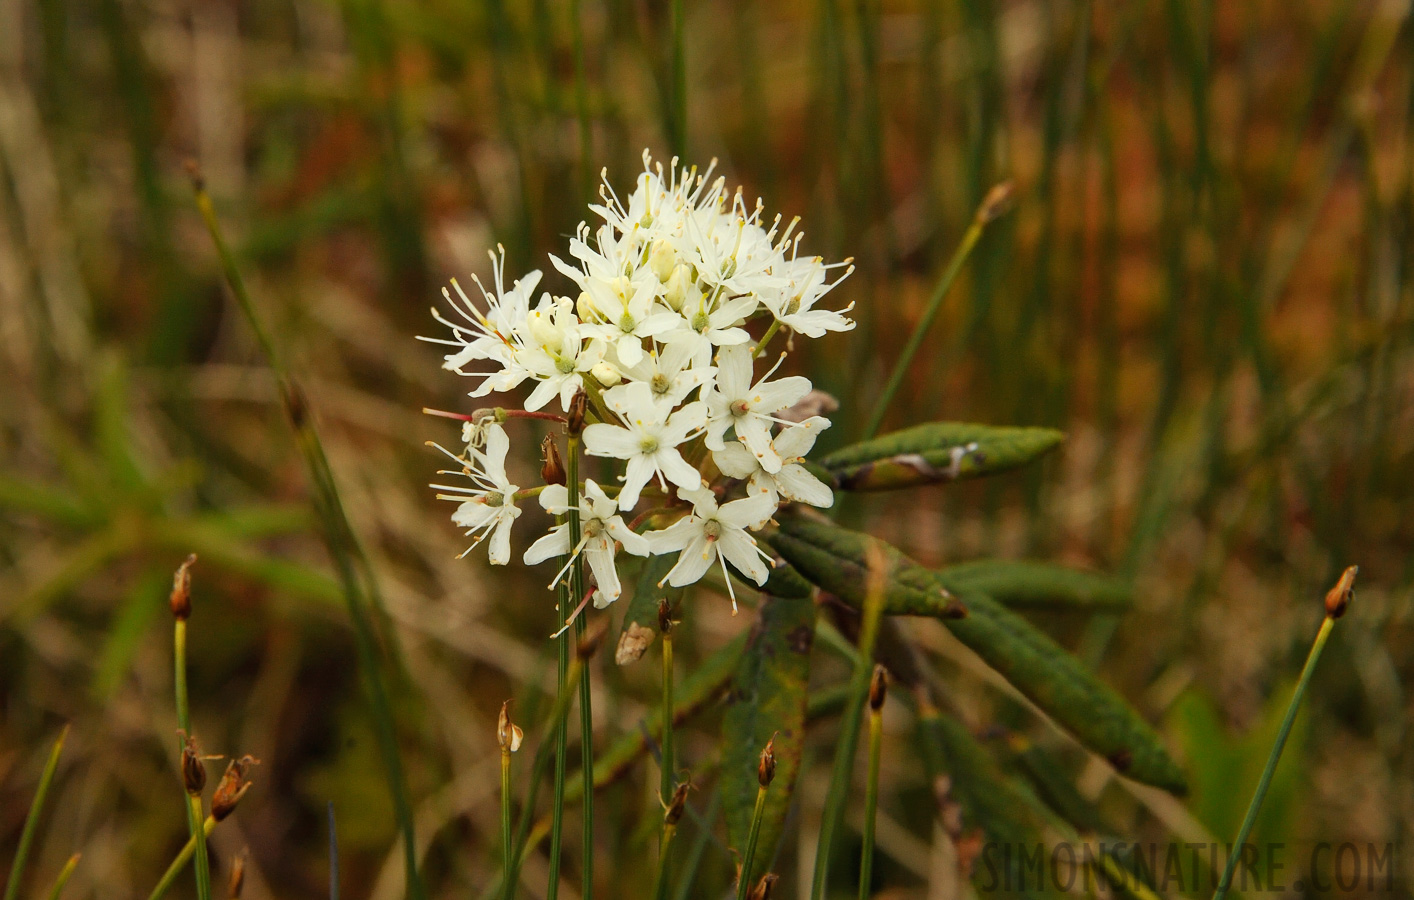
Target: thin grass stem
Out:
[180,861]
[581,103]
[508,886]
[992,207]
[1336,602]
[179,679]
[36,810]
[360,589]
[859,684]
[871,799]
[679,81]
[586,708]
[688,875]
[660,881]
[557,809]
[743,881]
[64,875]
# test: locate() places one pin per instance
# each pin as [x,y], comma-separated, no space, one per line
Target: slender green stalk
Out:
[743,881]
[64,875]
[333,854]
[508,885]
[871,802]
[660,881]
[36,809]
[557,809]
[194,812]
[586,708]
[993,205]
[360,589]
[859,683]
[667,774]
[1336,601]
[180,861]
[766,339]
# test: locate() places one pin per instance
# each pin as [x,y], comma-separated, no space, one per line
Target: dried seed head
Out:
[1339,597]
[633,642]
[764,887]
[878,688]
[553,469]
[593,637]
[665,616]
[766,769]
[181,590]
[508,732]
[676,805]
[238,874]
[997,203]
[193,766]
[232,787]
[578,406]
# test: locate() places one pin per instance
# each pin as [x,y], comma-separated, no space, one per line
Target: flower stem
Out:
[743,881]
[667,782]
[36,809]
[1342,592]
[194,816]
[992,207]
[871,802]
[678,117]
[849,734]
[586,709]
[64,875]
[660,882]
[766,338]
[508,885]
[557,812]
[180,861]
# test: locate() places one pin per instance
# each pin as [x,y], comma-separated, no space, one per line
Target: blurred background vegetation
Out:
[1205,281]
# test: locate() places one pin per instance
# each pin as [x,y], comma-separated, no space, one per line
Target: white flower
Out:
[556,352]
[490,335]
[748,408]
[601,528]
[712,533]
[648,440]
[630,313]
[793,302]
[669,374]
[712,322]
[793,481]
[488,505]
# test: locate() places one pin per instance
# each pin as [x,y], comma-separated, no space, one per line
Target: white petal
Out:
[748,512]
[555,499]
[501,539]
[638,473]
[676,469]
[797,440]
[742,552]
[694,562]
[675,536]
[735,461]
[556,543]
[603,439]
[601,563]
[798,484]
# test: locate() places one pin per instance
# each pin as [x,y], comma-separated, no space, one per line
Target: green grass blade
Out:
[36,811]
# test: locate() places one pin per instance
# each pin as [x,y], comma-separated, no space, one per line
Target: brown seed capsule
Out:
[238,874]
[507,732]
[665,616]
[552,471]
[181,590]
[232,787]
[677,804]
[996,203]
[1339,597]
[193,766]
[578,406]
[766,769]
[878,688]
[764,887]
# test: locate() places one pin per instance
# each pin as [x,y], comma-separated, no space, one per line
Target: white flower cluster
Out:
[657,338]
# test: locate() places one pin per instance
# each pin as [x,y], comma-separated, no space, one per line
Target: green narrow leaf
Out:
[965,773]
[36,811]
[834,558]
[767,698]
[1025,584]
[935,452]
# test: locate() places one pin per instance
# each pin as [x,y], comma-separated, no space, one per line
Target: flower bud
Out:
[676,805]
[997,203]
[1339,597]
[587,309]
[764,887]
[676,288]
[193,767]
[878,688]
[575,420]
[232,787]
[766,769]
[552,471]
[507,732]
[606,374]
[543,329]
[663,260]
[181,590]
